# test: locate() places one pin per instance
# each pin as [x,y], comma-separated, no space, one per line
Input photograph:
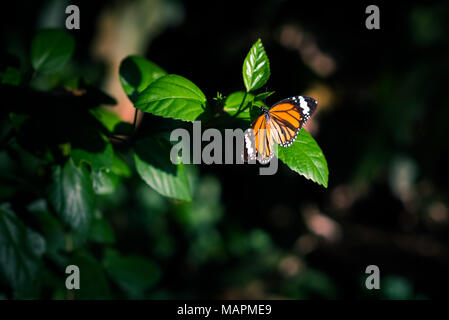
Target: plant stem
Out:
[240,110]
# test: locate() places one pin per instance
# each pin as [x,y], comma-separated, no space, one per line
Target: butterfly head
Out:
[264,109]
[266,112]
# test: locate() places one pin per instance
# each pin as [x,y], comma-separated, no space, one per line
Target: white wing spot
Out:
[250,144]
[304,106]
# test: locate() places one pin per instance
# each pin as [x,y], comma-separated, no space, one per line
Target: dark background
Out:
[382,129]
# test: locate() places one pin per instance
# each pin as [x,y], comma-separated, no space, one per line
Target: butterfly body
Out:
[280,124]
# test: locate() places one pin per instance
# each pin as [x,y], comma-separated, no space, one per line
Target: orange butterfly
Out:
[281,124]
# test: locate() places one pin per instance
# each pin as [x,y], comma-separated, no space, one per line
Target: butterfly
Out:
[280,124]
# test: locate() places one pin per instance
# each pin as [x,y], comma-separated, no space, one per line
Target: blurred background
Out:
[381,123]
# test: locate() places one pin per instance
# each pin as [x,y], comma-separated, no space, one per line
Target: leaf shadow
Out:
[156,153]
[88,136]
[130,72]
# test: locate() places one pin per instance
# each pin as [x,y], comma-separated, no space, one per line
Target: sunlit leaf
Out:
[111,121]
[256,67]
[107,118]
[136,73]
[237,104]
[172,96]
[306,158]
[262,96]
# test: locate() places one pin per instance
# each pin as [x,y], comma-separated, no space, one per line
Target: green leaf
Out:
[57,238]
[256,67]
[107,118]
[107,168]
[11,76]
[136,73]
[254,110]
[120,167]
[107,179]
[153,164]
[72,196]
[51,228]
[172,96]
[238,101]
[259,104]
[93,282]
[262,96]
[21,250]
[134,274]
[104,181]
[51,50]
[306,158]
[111,121]
[101,231]
[94,149]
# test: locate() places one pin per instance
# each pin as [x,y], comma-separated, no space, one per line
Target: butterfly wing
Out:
[280,125]
[288,116]
[259,141]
